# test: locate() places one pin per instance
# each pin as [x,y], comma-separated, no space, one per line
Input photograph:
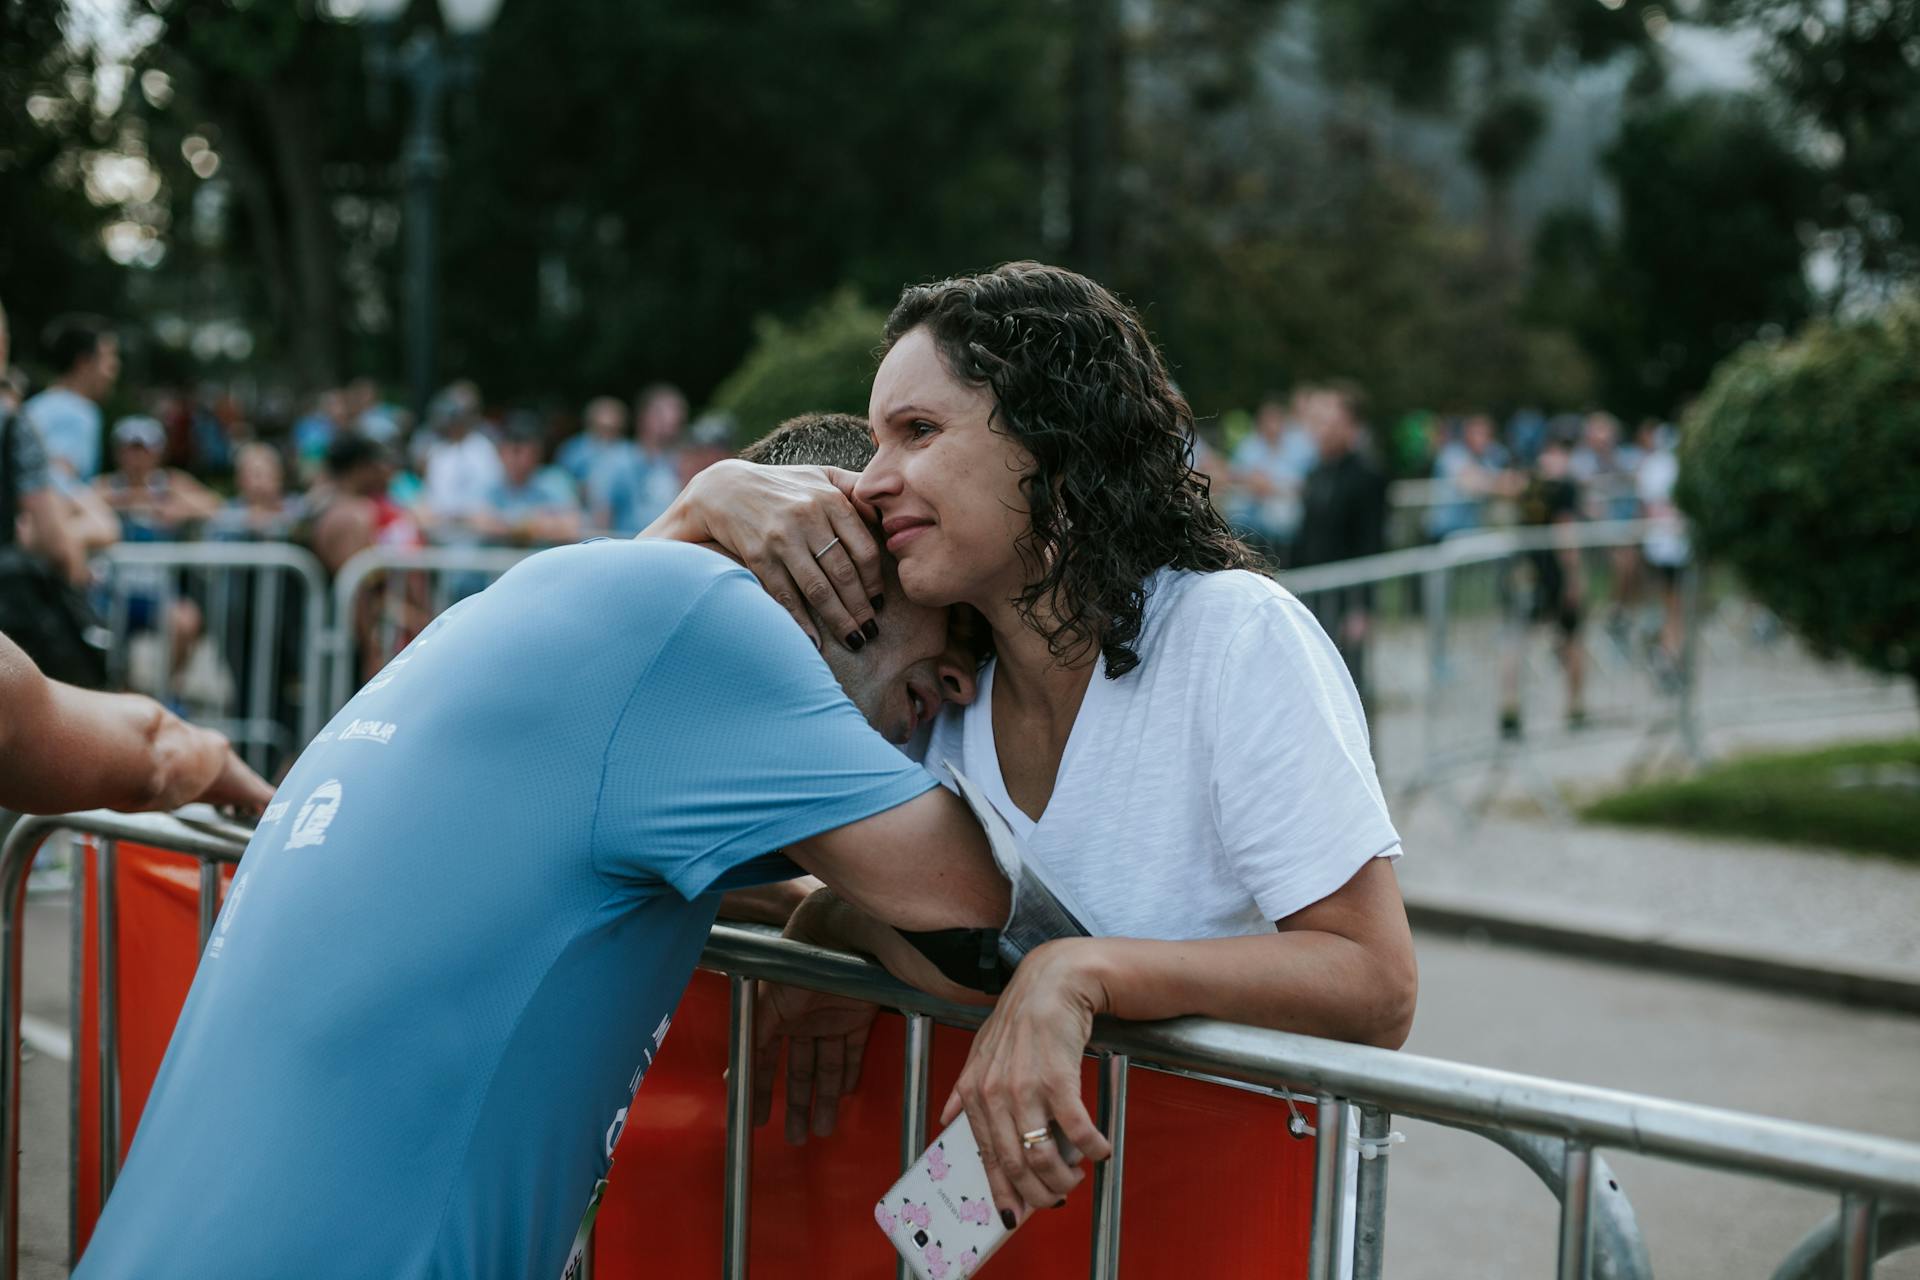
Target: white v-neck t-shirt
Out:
[1224,783]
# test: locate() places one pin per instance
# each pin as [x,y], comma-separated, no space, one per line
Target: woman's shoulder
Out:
[1183,599]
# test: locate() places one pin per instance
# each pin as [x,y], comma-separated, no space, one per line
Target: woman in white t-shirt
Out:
[1172,734]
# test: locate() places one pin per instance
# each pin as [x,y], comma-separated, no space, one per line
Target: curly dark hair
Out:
[1113,494]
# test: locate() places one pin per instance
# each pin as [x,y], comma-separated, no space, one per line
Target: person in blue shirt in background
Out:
[532,505]
[460,930]
[629,488]
[84,352]
[604,437]
[1269,473]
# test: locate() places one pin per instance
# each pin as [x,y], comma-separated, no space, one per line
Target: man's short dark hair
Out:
[815,440]
[70,339]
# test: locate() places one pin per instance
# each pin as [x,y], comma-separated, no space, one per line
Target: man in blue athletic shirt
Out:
[460,930]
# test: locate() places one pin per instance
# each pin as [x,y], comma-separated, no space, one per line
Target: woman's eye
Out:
[920,429]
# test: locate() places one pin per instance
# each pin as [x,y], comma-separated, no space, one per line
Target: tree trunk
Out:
[1093,189]
[310,239]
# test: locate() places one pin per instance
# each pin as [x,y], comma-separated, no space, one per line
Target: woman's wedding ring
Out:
[1034,1137]
[830,546]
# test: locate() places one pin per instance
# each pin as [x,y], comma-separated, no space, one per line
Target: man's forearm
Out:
[767,903]
[830,921]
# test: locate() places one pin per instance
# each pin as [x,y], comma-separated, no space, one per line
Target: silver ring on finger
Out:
[1035,1138]
[830,546]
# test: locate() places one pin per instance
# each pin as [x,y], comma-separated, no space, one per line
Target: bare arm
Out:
[825,919]
[922,865]
[51,535]
[1341,968]
[93,523]
[188,499]
[767,903]
[63,749]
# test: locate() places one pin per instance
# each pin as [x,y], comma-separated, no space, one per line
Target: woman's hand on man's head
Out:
[800,532]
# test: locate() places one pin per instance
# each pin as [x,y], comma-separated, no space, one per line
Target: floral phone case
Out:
[940,1215]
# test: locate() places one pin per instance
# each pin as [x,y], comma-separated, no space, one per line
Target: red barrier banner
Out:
[1215,1185]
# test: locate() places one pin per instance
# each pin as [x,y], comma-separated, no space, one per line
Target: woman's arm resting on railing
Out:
[1342,968]
[63,749]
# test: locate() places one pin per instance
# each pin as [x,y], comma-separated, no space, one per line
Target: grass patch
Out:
[1863,797]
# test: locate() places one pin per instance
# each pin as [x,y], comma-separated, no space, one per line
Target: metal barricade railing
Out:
[1556,1128]
[259,604]
[1453,641]
[383,596]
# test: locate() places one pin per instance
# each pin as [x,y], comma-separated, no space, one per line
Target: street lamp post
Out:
[430,67]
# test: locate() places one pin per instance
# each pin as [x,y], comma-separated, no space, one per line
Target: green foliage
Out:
[1860,797]
[51,258]
[1852,72]
[1705,257]
[1800,466]
[654,174]
[1504,134]
[1377,289]
[822,363]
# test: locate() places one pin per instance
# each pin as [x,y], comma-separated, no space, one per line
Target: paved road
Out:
[1458,1207]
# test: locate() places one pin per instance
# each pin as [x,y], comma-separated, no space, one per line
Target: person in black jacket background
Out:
[1343,515]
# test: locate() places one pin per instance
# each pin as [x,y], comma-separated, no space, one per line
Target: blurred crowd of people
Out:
[1308,485]
[353,471]
[1307,482]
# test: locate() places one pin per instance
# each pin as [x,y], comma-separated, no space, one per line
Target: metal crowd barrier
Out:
[1557,1128]
[1450,641]
[260,604]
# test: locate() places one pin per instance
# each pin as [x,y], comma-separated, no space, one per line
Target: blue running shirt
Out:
[459,933]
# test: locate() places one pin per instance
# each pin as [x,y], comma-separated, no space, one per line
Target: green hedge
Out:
[823,362]
[1800,467]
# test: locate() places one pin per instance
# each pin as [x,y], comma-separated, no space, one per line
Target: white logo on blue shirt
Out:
[315,816]
[219,942]
[369,731]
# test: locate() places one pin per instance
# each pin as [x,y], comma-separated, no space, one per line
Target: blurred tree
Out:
[1481,59]
[1800,466]
[277,93]
[655,174]
[1851,71]
[51,258]
[1706,254]
[1373,287]
[822,362]
[1267,245]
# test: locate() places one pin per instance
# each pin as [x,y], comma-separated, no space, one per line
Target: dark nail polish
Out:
[878,603]
[1061,1205]
[870,629]
[856,641]
[1006,1217]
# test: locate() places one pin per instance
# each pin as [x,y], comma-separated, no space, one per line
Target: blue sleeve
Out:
[735,743]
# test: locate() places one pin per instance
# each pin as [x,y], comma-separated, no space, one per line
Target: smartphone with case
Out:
[940,1215]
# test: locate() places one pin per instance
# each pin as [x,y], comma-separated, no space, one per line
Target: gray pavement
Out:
[1459,1207]
[1822,907]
